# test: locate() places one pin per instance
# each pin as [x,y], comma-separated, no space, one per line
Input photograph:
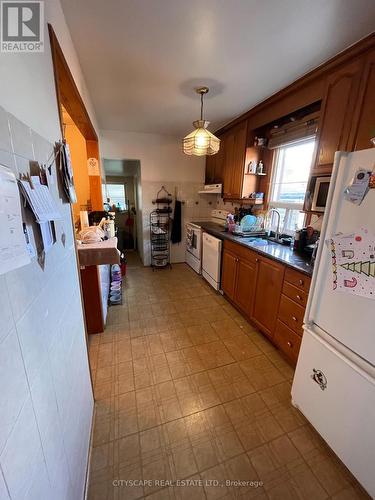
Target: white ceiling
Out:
[143,58]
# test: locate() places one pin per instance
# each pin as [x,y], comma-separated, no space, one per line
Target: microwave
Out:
[320,195]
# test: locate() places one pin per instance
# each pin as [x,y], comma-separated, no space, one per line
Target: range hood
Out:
[211,189]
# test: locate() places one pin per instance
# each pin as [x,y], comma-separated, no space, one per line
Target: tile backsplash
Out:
[46,398]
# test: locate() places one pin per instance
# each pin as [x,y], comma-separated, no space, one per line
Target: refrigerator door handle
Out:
[339,156]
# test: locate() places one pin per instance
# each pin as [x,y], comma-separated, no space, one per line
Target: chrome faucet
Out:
[269,213]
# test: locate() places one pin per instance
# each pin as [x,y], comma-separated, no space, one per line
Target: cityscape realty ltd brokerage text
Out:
[164,483]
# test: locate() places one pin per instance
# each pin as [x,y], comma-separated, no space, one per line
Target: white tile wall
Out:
[13,383]
[46,399]
[3,489]
[195,206]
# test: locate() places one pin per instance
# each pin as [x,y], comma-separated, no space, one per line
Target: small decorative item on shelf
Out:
[257,197]
[252,167]
[160,230]
[259,169]
[260,142]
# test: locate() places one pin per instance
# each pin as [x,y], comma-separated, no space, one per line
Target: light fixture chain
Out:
[202,106]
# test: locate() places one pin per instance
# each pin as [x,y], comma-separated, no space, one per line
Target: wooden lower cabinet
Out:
[271,295]
[288,341]
[270,276]
[245,285]
[228,275]
[238,280]
[291,314]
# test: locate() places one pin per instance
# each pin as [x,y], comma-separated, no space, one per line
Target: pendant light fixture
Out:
[201,142]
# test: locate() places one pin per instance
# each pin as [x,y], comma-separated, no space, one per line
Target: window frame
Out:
[124,185]
[289,207]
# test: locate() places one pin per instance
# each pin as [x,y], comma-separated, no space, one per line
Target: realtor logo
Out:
[22,26]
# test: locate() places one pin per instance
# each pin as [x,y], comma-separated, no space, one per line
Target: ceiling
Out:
[142,59]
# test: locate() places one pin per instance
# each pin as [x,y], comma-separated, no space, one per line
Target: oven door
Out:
[194,240]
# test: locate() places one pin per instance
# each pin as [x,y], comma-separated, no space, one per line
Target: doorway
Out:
[122,195]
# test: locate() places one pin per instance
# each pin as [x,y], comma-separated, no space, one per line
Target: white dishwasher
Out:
[211,260]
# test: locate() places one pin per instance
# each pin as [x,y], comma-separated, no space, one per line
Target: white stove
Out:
[194,241]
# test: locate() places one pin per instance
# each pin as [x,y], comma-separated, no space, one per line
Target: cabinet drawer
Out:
[241,251]
[291,314]
[294,293]
[287,340]
[298,279]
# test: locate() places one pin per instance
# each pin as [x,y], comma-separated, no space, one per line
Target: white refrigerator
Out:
[334,382]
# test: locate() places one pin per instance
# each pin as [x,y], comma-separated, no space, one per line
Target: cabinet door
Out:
[270,275]
[245,285]
[210,169]
[239,153]
[219,162]
[228,165]
[228,275]
[338,114]
[366,124]
[234,161]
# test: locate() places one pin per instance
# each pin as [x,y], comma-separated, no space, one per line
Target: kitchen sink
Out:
[256,240]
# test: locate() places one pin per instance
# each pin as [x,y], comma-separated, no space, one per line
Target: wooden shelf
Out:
[249,201]
[317,212]
[251,173]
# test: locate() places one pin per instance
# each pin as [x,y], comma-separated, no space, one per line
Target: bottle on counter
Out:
[231,223]
[260,167]
[297,236]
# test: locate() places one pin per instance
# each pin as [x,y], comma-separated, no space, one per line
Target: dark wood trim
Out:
[311,78]
[92,299]
[67,92]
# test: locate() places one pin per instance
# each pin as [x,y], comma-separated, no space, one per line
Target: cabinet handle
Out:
[298,297]
[294,318]
[256,260]
[289,344]
[301,282]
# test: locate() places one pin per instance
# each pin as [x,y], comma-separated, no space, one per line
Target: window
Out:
[289,182]
[116,194]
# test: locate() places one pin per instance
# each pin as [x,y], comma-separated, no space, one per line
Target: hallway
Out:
[186,388]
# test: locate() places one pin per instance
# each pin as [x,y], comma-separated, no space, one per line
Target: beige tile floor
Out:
[186,389]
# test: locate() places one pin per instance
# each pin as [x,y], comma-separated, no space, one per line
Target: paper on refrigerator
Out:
[353,263]
[13,248]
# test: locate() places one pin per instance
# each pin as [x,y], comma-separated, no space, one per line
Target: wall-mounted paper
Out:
[40,200]
[13,248]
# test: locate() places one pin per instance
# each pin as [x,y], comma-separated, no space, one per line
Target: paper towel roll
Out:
[84,218]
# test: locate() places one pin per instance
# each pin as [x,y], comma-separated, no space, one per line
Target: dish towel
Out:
[176,224]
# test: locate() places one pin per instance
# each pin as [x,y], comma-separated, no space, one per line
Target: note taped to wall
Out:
[353,263]
[13,248]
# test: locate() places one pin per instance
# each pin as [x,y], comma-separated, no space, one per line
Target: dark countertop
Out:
[276,251]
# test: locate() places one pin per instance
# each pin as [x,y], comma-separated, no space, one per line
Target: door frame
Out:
[69,97]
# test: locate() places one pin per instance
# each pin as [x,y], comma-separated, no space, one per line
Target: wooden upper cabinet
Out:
[228,275]
[234,161]
[210,169]
[338,114]
[245,285]
[366,123]
[270,278]
[214,165]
